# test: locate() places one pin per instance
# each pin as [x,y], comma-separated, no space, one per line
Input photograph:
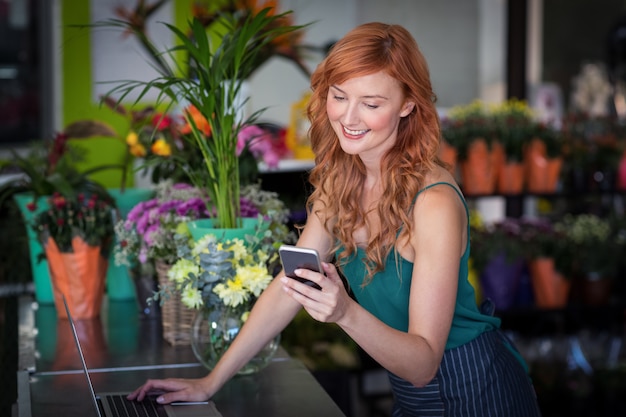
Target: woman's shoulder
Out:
[439,178]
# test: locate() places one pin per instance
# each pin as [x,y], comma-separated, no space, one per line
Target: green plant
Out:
[464,124]
[591,245]
[216,272]
[551,137]
[50,166]
[219,72]
[513,125]
[490,240]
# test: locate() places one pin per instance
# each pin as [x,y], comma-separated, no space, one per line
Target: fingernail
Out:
[160,400]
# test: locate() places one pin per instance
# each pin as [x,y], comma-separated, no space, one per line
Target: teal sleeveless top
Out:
[387,295]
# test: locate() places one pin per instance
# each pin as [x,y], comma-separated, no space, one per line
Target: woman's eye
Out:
[339,98]
[371,106]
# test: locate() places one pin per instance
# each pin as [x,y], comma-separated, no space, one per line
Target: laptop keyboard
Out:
[122,407]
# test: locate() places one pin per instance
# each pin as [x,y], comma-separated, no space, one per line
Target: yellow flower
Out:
[132,139]
[254,277]
[232,293]
[161,147]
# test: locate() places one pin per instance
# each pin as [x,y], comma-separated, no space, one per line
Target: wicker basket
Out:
[175,317]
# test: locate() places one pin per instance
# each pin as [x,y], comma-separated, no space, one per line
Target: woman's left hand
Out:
[328,304]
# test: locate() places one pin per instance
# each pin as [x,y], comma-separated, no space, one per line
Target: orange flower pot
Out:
[542,173]
[511,178]
[80,275]
[448,155]
[480,170]
[550,288]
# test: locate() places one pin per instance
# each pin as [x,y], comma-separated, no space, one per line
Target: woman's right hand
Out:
[173,390]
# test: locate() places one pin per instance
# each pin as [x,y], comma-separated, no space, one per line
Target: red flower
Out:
[32,206]
[60,221]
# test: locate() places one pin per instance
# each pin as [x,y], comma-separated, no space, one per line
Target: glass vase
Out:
[214,329]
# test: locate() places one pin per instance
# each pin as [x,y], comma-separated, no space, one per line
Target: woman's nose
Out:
[350,115]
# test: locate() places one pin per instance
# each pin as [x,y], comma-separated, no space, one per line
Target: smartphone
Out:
[293,257]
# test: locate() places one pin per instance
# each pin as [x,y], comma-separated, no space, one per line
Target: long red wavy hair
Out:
[338,178]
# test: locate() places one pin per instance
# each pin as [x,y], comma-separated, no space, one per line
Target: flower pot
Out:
[213,331]
[202,227]
[119,283]
[511,178]
[176,318]
[542,172]
[39,267]
[80,276]
[500,281]
[550,288]
[448,155]
[479,171]
[596,289]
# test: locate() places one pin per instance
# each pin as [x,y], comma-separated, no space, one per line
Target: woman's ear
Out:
[407,108]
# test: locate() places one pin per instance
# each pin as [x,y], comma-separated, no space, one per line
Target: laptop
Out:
[115,404]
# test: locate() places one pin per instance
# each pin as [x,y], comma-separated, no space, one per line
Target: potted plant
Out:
[543,159]
[469,129]
[48,167]
[497,255]
[543,254]
[221,279]
[212,92]
[591,254]
[146,239]
[77,236]
[513,123]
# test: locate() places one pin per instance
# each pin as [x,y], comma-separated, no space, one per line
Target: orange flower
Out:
[137,150]
[199,120]
[161,147]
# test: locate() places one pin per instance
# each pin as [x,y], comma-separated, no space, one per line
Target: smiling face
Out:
[365,112]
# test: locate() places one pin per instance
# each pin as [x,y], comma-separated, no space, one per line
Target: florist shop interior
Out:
[128,145]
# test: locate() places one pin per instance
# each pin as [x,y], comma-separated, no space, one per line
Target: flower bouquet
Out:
[77,235]
[222,279]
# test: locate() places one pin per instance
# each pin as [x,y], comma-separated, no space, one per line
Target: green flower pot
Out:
[39,268]
[202,227]
[119,283]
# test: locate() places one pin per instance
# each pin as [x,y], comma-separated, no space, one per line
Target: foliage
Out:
[50,167]
[286,46]
[551,137]
[541,238]
[218,73]
[513,125]
[464,124]
[593,141]
[490,240]
[147,234]
[591,245]
[217,272]
[88,217]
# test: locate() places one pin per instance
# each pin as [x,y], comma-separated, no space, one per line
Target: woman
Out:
[395,223]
